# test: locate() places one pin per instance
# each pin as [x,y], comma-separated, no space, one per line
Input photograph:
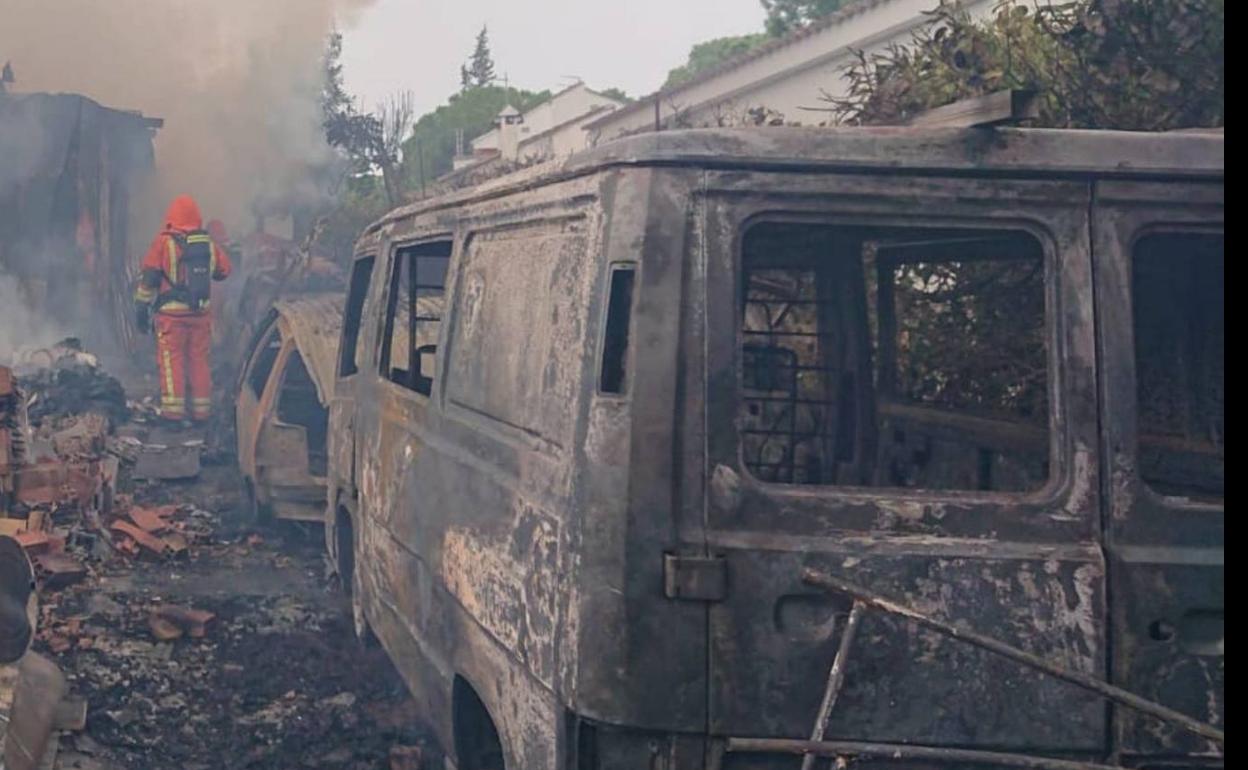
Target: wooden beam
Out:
[994,109]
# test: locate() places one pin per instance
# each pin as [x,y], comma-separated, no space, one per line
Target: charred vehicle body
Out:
[623,454]
[281,408]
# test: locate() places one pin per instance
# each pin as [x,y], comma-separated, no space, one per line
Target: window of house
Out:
[1178,302]
[414,314]
[349,347]
[263,357]
[894,357]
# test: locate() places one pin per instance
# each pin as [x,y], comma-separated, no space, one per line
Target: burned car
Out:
[281,411]
[736,448]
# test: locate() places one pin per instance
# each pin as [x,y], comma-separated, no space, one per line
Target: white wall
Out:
[573,102]
[791,77]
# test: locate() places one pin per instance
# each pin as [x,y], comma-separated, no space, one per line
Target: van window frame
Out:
[1065,510]
[389,300]
[1055,434]
[357,349]
[1130,254]
[269,332]
[600,358]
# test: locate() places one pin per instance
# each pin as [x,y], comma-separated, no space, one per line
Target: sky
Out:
[418,45]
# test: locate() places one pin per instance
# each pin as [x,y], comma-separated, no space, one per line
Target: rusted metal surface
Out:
[901,751]
[604,565]
[315,323]
[836,678]
[1118,695]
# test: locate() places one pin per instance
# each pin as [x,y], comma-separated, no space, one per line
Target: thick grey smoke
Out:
[21,327]
[237,82]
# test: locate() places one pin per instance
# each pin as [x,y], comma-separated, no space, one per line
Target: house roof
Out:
[847,11]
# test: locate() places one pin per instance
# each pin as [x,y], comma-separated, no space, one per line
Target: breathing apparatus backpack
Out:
[196,263]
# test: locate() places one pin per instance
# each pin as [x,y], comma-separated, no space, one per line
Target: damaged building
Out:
[71,174]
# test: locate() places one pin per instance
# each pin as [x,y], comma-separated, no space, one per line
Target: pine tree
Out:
[481,69]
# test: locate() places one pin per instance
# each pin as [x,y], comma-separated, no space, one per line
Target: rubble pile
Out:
[56,481]
[65,379]
[185,639]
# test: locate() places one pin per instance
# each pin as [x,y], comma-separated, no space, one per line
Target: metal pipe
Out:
[904,752]
[1115,694]
[836,678]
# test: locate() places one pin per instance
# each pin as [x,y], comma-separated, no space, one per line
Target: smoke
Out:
[237,82]
[21,327]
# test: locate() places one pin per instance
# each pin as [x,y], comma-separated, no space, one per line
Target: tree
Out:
[371,142]
[712,53]
[429,150]
[480,70]
[616,94]
[395,118]
[356,134]
[1128,64]
[784,16]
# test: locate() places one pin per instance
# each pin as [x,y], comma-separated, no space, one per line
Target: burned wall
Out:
[69,169]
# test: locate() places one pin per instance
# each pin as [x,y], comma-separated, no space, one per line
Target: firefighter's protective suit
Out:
[177,271]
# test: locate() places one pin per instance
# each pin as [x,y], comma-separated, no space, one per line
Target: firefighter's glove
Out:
[143,317]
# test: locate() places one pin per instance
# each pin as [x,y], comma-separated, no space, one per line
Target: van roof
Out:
[1027,152]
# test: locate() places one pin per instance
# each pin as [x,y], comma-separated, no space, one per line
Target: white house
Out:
[554,128]
[787,77]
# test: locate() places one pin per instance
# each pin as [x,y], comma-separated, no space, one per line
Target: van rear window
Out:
[894,357]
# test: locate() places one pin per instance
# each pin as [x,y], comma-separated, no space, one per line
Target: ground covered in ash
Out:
[277,680]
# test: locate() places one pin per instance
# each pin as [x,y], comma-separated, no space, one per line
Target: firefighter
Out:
[176,285]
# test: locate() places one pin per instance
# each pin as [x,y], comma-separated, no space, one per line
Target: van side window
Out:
[1178,302]
[349,347]
[614,375]
[894,357]
[263,358]
[413,315]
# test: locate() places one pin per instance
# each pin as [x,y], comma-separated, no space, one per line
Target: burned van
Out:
[755,448]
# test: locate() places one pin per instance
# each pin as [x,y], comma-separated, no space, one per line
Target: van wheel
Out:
[477,745]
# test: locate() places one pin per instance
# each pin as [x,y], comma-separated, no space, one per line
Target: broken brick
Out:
[148,520]
[148,541]
[34,542]
[191,621]
[163,630]
[58,570]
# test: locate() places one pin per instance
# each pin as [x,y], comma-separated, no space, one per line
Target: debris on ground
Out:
[64,379]
[186,638]
[159,462]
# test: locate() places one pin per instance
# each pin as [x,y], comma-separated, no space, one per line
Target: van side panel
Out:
[642,657]
[466,495]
